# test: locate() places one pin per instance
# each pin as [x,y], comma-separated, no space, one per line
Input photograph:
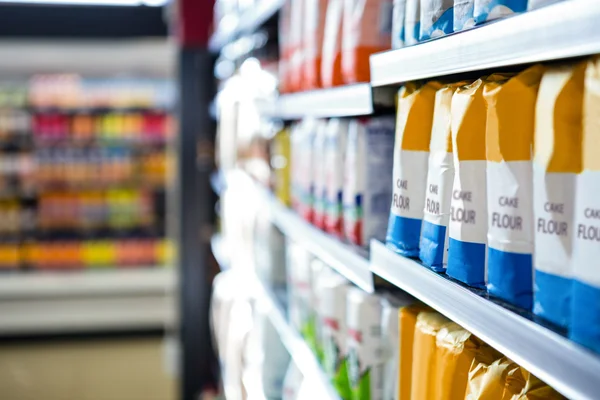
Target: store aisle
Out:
[109,369]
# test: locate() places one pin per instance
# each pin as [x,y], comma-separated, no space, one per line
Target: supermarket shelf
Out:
[299,351]
[349,261]
[343,101]
[569,368]
[559,31]
[247,23]
[41,303]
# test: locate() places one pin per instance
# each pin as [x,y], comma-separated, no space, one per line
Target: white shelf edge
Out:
[299,351]
[341,257]
[44,285]
[343,101]
[563,30]
[567,367]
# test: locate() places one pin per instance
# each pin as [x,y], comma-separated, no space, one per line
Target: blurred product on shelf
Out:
[412,25]
[533,4]
[398,24]
[269,251]
[585,311]
[281,165]
[489,10]
[467,253]
[437,18]
[463,15]
[509,139]
[315,12]
[319,172]
[411,153]
[368,171]
[303,134]
[331,65]
[335,154]
[298,284]
[556,164]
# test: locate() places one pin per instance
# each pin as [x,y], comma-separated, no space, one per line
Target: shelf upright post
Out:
[195,200]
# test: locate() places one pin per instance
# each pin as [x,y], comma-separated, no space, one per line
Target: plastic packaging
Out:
[488,10]
[367,29]
[424,354]
[318,169]
[407,320]
[398,21]
[433,246]
[331,66]
[509,142]
[367,174]
[333,318]
[335,153]
[556,164]
[437,18]
[412,26]
[533,4]
[585,318]
[534,389]
[314,29]
[488,381]
[463,15]
[411,155]
[468,213]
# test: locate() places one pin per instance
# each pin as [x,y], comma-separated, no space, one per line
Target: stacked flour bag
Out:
[585,318]
[332,309]
[509,141]
[488,10]
[463,15]
[412,22]
[411,154]
[437,18]
[556,164]
[433,246]
[367,176]
[468,212]
[335,154]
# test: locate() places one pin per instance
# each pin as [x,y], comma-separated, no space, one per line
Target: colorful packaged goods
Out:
[585,310]
[412,26]
[489,10]
[433,246]
[411,154]
[319,174]
[331,65]
[437,18]
[367,173]
[463,15]
[335,154]
[509,141]
[398,24]
[556,165]
[468,212]
[315,12]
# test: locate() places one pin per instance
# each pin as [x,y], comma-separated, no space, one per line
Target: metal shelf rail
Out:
[558,31]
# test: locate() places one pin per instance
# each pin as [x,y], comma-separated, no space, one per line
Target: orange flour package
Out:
[314,30]
[367,29]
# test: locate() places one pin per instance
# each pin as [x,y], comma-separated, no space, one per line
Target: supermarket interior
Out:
[299,199]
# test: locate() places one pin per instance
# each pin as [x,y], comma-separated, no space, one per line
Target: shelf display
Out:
[83,172]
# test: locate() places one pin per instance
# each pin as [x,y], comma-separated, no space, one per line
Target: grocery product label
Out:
[586,228]
[463,15]
[437,18]
[411,154]
[335,149]
[487,10]
[398,20]
[412,26]
[557,162]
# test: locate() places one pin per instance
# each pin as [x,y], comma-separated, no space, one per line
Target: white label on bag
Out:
[586,252]
[553,212]
[510,206]
[468,211]
[410,178]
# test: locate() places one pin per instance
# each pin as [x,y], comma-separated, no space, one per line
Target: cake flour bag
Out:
[412,25]
[509,143]
[463,15]
[556,164]
[335,152]
[433,245]
[367,176]
[331,65]
[367,29]
[407,320]
[437,18]
[334,332]
[468,212]
[398,20]
[411,154]
[488,10]
[585,318]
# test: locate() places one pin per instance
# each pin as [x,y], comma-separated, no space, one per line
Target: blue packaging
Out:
[437,18]
[463,15]
[488,10]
